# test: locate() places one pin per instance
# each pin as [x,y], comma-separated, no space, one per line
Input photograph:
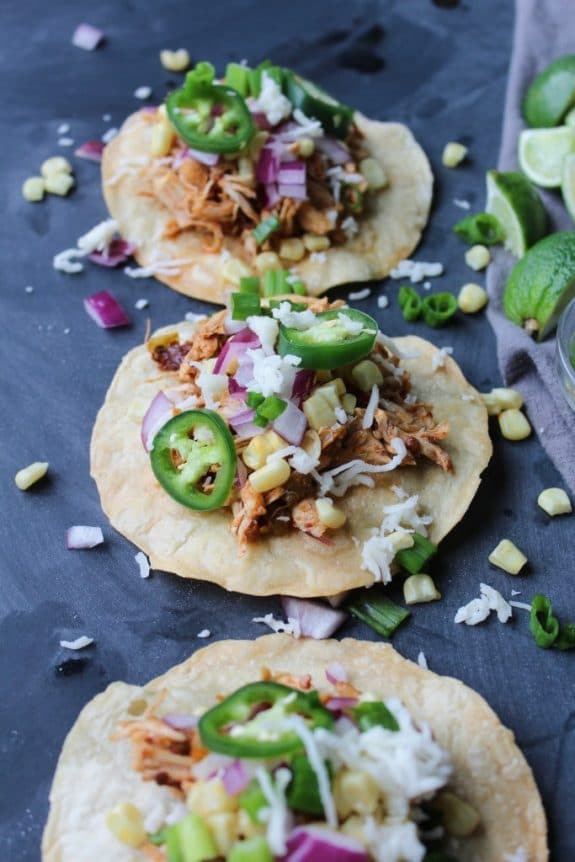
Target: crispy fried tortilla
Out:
[490,773]
[388,232]
[201,545]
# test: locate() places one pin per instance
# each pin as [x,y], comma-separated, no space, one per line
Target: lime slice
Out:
[570,118]
[541,284]
[541,154]
[568,184]
[551,94]
[516,205]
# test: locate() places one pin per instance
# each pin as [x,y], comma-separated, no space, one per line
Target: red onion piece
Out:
[244,426]
[155,417]
[302,385]
[316,621]
[119,251]
[235,778]
[234,348]
[261,121]
[335,672]
[293,191]
[80,538]
[267,166]
[313,844]
[178,721]
[209,159]
[234,387]
[87,37]
[292,172]
[272,195]
[105,310]
[91,151]
[335,151]
[245,373]
[291,424]
[337,704]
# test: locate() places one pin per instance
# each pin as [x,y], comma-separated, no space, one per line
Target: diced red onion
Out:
[87,37]
[302,385]
[292,172]
[209,159]
[235,778]
[293,191]
[245,373]
[267,166]
[291,424]
[105,310]
[315,620]
[335,672]
[119,251]
[91,151]
[261,121]
[244,426]
[233,326]
[331,148]
[234,348]
[272,195]
[80,538]
[234,387]
[178,721]
[337,704]
[155,417]
[315,844]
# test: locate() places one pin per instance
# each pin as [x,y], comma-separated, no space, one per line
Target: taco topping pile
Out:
[264,156]
[277,770]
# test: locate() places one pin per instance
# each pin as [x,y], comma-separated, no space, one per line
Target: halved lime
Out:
[541,154]
[517,207]
[541,284]
[568,184]
[570,118]
[551,94]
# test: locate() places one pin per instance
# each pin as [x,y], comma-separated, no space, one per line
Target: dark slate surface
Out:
[442,71]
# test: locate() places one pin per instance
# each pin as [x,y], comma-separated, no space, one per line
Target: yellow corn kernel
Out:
[401,540]
[353,828]
[500,399]
[514,425]
[311,443]
[267,260]
[292,249]
[255,146]
[459,818]
[453,154]
[256,453]
[209,797]
[472,298]
[349,402]
[28,476]
[373,173]
[554,501]
[162,137]
[508,557]
[33,189]
[55,165]
[125,821]
[319,411]
[175,61]
[163,339]
[234,269]
[246,169]
[329,515]
[419,588]
[477,257]
[332,390]
[224,830]
[355,792]
[59,184]
[305,147]
[316,243]
[365,374]
[270,476]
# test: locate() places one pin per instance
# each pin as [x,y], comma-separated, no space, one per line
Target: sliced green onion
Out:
[264,230]
[299,288]
[254,399]
[275,282]
[245,305]
[543,624]
[374,713]
[237,77]
[271,407]
[250,284]
[409,302]
[260,421]
[379,612]
[439,308]
[482,228]
[566,637]
[158,838]
[303,791]
[414,559]
[252,800]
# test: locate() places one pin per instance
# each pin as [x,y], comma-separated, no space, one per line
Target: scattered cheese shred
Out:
[439,357]
[292,626]
[79,643]
[143,564]
[477,610]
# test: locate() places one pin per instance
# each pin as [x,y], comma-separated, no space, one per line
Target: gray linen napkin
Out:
[544,30]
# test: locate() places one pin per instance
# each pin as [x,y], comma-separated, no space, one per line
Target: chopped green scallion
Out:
[438,308]
[275,282]
[409,302]
[245,305]
[250,284]
[379,612]
[271,407]
[482,228]
[237,78]
[414,559]
[265,228]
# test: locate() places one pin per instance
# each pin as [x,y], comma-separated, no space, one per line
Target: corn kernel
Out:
[453,154]
[28,476]
[311,443]
[355,791]
[419,588]
[514,425]
[459,818]
[234,269]
[162,138]
[292,249]
[224,830]
[246,826]
[256,144]
[401,540]
[554,501]
[305,147]
[59,184]
[260,447]
[319,411]
[270,476]
[55,165]
[125,821]
[472,297]
[508,557]
[33,189]
[175,61]
[349,402]
[267,260]
[329,515]
[246,169]
[353,827]
[500,399]
[316,243]
[477,257]
[209,797]
[373,173]
[366,374]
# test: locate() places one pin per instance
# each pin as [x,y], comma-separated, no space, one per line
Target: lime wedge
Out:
[516,205]
[551,94]
[570,118]
[541,154]
[568,184]
[541,284]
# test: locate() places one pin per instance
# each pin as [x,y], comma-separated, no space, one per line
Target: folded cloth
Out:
[544,30]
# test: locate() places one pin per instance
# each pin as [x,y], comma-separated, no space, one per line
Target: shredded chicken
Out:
[246,523]
[305,518]
[313,220]
[160,753]
[302,683]
[208,339]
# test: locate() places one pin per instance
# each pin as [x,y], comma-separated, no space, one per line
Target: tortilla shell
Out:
[388,233]
[490,772]
[201,545]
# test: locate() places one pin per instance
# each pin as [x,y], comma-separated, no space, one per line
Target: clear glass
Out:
[565,356]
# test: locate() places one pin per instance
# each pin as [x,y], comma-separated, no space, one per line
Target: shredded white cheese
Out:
[338,480]
[382,301]
[79,643]
[309,127]
[422,660]
[294,319]
[522,606]
[67,261]
[341,415]
[439,357]
[193,317]
[292,627]
[302,462]
[63,128]
[477,610]
[266,329]
[357,295]
[318,257]
[350,227]
[399,492]
[140,304]
[143,92]
[416,270]
[109,135]
[462,204]
[379,550]
[205,633]
[272,375]
[369,414]
[354,327]
[143,564]
[520,855]
[66,142]
[212,386]
[96,239]
[277,815]
[158,267]
[272,102]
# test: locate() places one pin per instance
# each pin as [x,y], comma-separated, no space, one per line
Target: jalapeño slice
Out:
[315,102]
[252,721]
[194,459]
[332,341]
